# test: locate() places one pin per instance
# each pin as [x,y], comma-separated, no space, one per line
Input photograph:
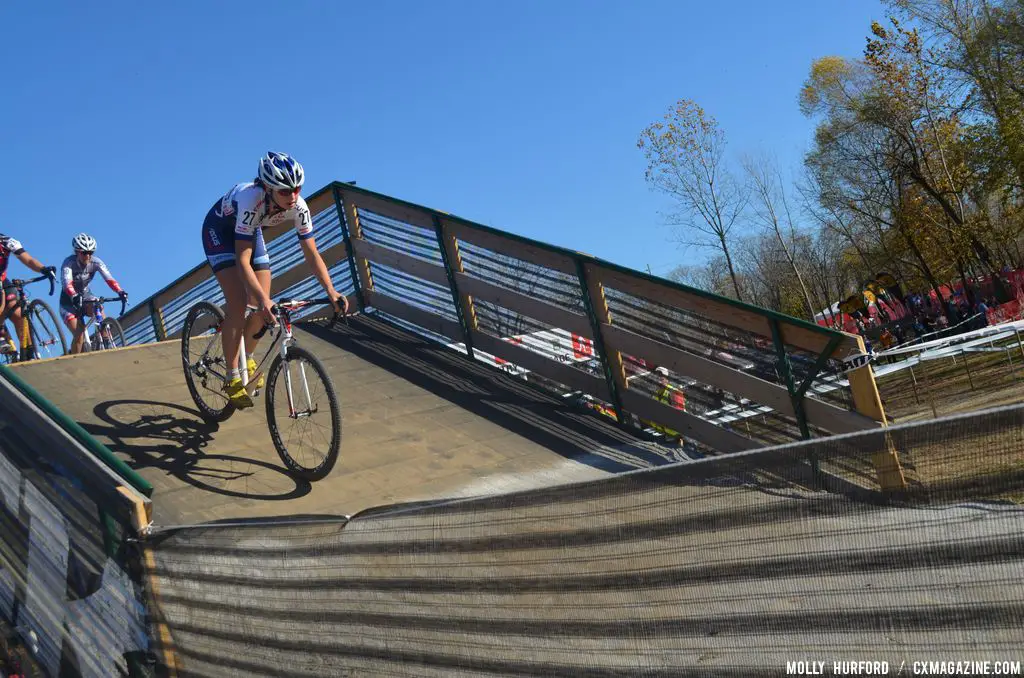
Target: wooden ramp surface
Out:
[419,422]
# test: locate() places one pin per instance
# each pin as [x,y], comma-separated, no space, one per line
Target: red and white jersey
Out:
[8,246]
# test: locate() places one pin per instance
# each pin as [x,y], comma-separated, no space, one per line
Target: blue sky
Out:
[129,119]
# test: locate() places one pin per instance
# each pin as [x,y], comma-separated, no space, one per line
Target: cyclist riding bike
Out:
[9,300]
[77,272]
[236,251]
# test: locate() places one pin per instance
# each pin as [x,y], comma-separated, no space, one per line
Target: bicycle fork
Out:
[293,412]
[286,341]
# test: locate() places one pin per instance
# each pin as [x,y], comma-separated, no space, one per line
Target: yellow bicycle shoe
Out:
[250,364]
[236,393]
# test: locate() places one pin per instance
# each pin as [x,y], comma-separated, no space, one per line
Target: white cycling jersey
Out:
[250,205]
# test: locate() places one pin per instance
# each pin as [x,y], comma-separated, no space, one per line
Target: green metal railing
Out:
[779,330]
[82,436]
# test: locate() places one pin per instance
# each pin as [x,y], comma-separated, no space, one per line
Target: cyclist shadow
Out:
[174,438]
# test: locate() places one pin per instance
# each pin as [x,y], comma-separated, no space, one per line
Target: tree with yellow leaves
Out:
[685,159]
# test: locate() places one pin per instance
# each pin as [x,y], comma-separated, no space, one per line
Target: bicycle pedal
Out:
[251,387]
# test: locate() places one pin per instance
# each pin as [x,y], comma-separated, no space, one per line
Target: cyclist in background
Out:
[236,251]
[9,306]
[77,272]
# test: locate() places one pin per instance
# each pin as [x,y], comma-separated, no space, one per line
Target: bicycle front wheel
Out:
[111,334]
[202,357]
[302,401]
[46,333]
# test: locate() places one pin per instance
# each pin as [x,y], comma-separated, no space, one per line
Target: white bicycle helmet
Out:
[278,170]
[83,242]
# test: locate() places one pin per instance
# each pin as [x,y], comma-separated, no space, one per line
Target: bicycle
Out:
[40,328]
[107,328]
[206,373]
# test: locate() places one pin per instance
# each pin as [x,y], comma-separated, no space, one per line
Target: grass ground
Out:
[969,383]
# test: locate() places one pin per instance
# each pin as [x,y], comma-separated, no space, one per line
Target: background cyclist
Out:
[9,306]
[77,272]
[235,249]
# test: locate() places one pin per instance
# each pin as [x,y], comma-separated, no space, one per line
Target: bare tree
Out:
[685,160]
[771,209]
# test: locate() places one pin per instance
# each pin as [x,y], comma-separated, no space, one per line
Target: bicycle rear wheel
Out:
[46,333]
[309,448]
[202,357]
[111,334]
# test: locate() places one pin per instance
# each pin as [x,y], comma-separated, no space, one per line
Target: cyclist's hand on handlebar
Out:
[123,295]
[76,302]
[50,272]
[340,304]
[269,314]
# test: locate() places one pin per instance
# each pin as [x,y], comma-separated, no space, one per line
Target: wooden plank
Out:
[820,413]
[700,368]
[417,316]
[356,234]
[420,268]
[599,303]
[320,203]
[835,419]
[138,314]
[142,516]
[868,402]
[720,312]
[199,276]
[543,366]
[546,313]
[300,271]
[451,247]
[866,398]
[686,424]
[511,247]
[421,218]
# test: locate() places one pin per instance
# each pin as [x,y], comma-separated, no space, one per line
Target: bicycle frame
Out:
[25,338]
[286,339]
[283,339]
[283,335]
[96,316]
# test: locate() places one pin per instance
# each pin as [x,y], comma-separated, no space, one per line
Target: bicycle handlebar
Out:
[102,300]
[283,307]
[19,282]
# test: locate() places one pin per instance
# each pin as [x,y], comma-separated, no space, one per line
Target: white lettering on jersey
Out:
[250,206]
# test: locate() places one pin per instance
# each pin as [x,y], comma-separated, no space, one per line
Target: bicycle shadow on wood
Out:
[558,425]
[570,431]
[174,438]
